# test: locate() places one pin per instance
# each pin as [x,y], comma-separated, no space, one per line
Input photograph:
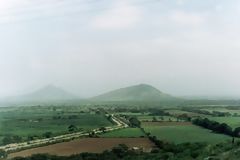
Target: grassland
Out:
[123,133]
[184,133]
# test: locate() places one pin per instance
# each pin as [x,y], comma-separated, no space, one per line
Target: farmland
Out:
[234,122]
[183,132]
[94,145]
[138,127]
[30,123]
[128,132]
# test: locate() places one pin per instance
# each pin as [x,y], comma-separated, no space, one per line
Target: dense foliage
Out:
[214,126]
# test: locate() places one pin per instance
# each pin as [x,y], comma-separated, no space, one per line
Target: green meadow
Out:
[180,134]
[124,133]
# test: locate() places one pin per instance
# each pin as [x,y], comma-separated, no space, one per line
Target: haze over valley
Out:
[119,80]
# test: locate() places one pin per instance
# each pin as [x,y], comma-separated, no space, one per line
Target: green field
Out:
[124,133]
[181,134]
[233,122]
[26,123]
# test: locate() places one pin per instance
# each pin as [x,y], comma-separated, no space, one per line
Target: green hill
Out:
[142,92]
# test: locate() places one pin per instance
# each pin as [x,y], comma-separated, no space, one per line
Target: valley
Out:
[143,125]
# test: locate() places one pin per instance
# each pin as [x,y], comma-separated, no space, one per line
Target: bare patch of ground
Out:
[94,145]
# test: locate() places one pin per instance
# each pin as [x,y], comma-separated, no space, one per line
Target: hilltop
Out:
[141,92]
[49,93]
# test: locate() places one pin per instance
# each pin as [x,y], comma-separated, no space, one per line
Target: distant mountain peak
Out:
[44,94]
[140,92]
[50,87]
[50,92]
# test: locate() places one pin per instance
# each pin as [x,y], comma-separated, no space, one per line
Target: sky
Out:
[182,47]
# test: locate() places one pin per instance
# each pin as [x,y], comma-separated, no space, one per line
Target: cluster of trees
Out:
[213,113]
[184,117]
[65,117]
[192,150]
[217,127]
[221,114]
[128,109]
[197,111]
[47,134]
[8,139]
[151,111]
[134,122]
[11,139]
[157,112]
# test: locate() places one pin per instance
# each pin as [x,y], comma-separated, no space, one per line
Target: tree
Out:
[214,126]
[47,134]
[72,128]
[236,132]
[7,140]
[154,119]
[103,129]
[121,150]
[11,139]
[134,122]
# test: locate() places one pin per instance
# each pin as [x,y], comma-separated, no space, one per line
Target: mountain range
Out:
[52,94]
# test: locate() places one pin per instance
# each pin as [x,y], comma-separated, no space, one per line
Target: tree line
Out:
[217,127]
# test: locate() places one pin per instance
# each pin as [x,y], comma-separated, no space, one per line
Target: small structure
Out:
[137,149]
[3,154]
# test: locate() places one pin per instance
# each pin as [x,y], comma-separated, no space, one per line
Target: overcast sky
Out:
[182,47]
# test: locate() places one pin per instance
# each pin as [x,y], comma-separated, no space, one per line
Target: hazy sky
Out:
[182,47]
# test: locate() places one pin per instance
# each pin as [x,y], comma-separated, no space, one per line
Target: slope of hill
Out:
[142,92]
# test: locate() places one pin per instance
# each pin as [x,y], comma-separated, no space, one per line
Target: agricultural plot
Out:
[124,133]
[233,122]
[26,123]
[93,145]
[183,132]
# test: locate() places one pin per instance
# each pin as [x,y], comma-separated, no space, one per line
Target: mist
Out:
[181,47]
